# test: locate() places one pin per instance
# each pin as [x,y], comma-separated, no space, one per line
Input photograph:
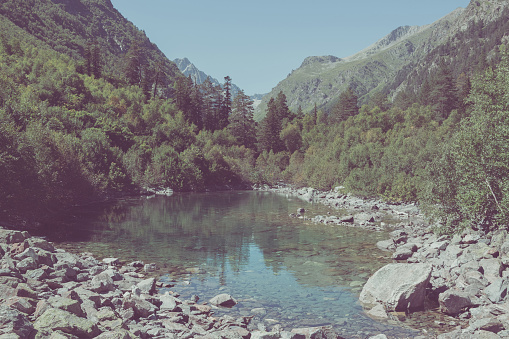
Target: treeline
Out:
[444,146]
[69,135]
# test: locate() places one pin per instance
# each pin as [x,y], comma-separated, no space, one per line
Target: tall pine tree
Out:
[242,125]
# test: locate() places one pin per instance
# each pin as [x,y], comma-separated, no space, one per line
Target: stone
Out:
[346,219]
[141,308]
[452,302]
[111,261]
[11,237]
[169,303]
[224,300]
[117,334]
[399,287]
[41,243]
[56,319]
[386,245]
[487,324]
[66,304]
[102,283]
[13,321]
[497,290]
[147,286]
[492,268]
[24,305]
[378,312]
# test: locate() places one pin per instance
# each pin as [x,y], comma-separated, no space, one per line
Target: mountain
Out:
[189,69]
[68,26]
[383,66]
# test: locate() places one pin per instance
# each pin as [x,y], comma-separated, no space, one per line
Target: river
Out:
[281,270]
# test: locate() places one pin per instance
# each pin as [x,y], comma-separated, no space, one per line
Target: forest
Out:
[74,130]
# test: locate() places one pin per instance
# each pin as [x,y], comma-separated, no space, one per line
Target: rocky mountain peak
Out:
[319,59]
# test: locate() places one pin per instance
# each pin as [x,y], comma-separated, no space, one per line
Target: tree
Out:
[346,106]
[270,129]
[469,183]
[242,125]
[134,64]
[443,94]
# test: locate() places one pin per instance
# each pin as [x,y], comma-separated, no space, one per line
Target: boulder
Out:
[102,283]
[55,319]
[497,290]
[147,286]
[399,287]
[453,302]
[12,321]
[224,300]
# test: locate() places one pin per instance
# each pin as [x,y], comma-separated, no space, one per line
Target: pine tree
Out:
[242,125]
[443,96]
[270,129]
[134,64]
[346,106]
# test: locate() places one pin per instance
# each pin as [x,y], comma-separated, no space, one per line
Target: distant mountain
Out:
[387,64]
[189,69]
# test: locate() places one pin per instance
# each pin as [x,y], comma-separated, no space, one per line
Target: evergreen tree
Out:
[346,106]
[270,129]
[443,95]
[183,90]
[134,64]
[242,125]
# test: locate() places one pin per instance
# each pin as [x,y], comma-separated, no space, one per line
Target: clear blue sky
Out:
[257,43]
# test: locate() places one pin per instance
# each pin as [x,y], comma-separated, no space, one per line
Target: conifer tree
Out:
[443,95]
[270,129]
[346,106]
[242,125]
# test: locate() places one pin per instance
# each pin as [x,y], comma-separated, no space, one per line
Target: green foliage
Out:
[474,190]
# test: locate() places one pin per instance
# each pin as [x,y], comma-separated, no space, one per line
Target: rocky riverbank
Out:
[49,293]
[464,276]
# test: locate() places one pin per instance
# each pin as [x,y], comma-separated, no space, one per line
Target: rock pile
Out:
[49,293]
[469,277]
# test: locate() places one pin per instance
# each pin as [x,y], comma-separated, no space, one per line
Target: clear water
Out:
[283,270]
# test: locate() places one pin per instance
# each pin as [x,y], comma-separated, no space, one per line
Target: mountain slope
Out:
[320,80]
[67,26]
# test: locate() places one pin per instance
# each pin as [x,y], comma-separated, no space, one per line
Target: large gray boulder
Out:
[55,319]
[13,322]
[453,302]
[399,287]
[224,300]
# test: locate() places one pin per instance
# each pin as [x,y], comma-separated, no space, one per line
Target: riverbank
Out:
[464,277]
[50,293]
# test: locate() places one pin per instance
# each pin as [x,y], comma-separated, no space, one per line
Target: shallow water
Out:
[283,270]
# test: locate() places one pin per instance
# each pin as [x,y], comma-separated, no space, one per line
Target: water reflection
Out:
[244,243]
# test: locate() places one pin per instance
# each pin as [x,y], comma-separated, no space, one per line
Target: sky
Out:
[258,43]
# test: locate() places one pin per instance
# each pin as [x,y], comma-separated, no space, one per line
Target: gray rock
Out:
[66,304]
[378,312]
[169,303]
[147,286]
[12,321]
[398,287]
[497,290]
[56,319]
[346,218]
[102,283]
[111,261]
[224,300]
[492,268]
[452,302]
[386,245]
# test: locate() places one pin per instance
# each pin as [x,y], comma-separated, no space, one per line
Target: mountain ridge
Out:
[375,68]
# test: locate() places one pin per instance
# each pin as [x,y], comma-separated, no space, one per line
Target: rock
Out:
[147,286]
[497,290]
[102,283]
[492,268]
[224,300]
[11,237]
[12,321]
[386,245]
[169,303]
[399,287]
[141,308]
[56,319]
[41,243]
[378,312]
[66,304]
[149,268]
[315,332]
[452,302]
[404,252]
[487,324]
[346,219]
[111,261]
